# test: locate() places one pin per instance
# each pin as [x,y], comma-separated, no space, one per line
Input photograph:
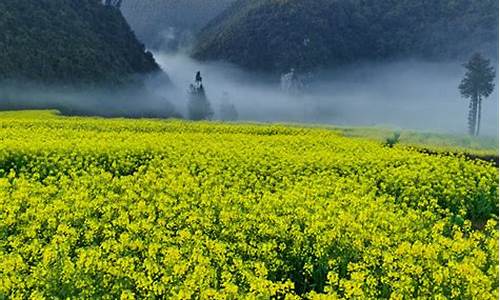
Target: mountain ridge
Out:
[276,35]
[68,42]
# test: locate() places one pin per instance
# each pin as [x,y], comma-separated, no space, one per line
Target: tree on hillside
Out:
[477,85]
[198,106]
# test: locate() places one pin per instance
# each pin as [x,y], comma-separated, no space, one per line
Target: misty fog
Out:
[145,100]
[405,94]
[401,95]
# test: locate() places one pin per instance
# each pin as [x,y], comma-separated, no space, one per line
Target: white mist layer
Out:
[409,95]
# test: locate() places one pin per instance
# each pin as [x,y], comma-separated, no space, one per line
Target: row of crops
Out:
[94,208]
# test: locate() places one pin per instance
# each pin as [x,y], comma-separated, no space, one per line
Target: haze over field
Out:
[107,71]
[406,94]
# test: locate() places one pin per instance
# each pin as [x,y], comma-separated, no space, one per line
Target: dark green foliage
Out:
[478,78]
[393,140]
[69,42]
[476,85]
[276,35]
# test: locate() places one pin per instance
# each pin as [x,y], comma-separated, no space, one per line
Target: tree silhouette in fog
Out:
[477,85]
[198,105]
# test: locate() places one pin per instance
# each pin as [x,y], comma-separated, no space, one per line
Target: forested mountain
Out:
[69,42]
[276,35]
[167,23]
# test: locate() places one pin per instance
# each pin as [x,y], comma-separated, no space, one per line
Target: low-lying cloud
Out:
[404,94]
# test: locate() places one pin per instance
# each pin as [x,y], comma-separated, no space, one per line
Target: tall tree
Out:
[477,85]
[199,107]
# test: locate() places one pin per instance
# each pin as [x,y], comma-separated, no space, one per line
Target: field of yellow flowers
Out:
[124,209]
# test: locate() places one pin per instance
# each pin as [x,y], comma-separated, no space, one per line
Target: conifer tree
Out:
[199,107]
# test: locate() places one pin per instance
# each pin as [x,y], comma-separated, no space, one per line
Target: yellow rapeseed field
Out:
[113,208]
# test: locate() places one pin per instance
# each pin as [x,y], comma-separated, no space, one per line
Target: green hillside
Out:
[276,35]
[69,42]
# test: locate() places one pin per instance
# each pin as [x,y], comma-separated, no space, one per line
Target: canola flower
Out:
[144,209]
